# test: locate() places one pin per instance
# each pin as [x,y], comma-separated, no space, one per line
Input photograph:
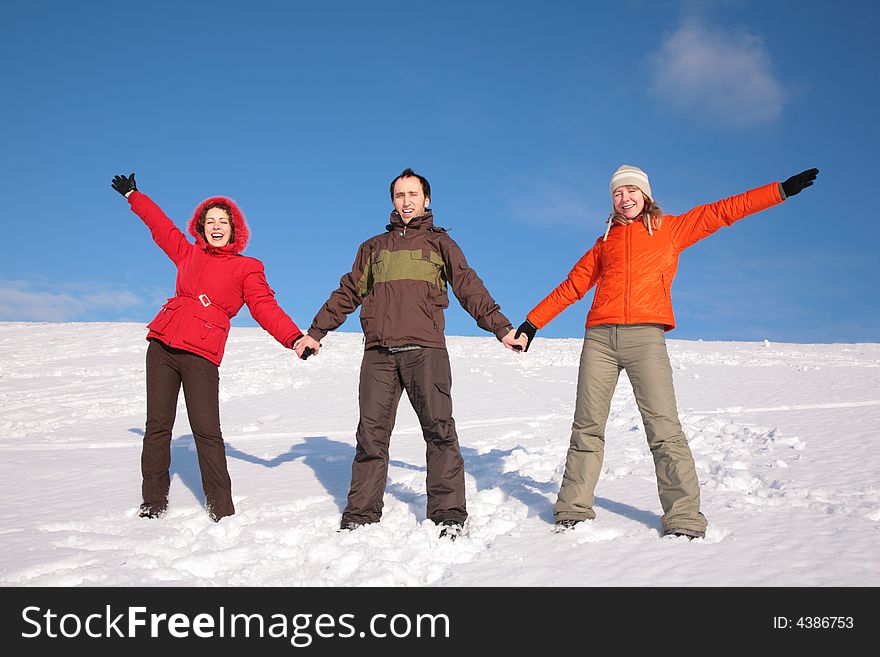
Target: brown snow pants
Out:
[426,376]
[167,369]
[640,349]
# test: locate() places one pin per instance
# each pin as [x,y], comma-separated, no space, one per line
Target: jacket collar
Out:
[424,222]
[229,249]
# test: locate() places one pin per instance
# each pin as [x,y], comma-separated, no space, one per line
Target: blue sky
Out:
[517,112]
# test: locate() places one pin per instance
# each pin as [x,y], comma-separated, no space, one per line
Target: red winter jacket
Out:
[212,285]
[633,269]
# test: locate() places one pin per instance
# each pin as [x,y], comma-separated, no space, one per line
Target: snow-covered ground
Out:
[785,439]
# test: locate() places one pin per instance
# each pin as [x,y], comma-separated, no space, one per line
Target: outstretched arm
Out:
[582,277]
[343,301]
[260,300]
[168,236]
[702,221]
[473,295]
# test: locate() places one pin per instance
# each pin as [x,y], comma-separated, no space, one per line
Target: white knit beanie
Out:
[629,175]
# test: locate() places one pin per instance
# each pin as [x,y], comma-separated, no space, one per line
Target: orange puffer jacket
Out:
[633,269]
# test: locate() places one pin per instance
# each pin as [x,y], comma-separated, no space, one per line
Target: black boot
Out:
[451,529]
[690,534]
[151,511]
[350,525]
[566,524]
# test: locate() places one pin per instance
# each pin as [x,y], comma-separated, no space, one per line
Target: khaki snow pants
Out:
[640,349]
[167,369]
[426,376]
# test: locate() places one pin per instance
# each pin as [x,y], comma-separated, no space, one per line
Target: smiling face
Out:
[629,201]
[218,227]
[409,199]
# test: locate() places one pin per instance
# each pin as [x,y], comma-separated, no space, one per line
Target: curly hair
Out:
[200,223]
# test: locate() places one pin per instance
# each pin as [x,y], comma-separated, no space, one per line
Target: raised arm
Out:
[168,236]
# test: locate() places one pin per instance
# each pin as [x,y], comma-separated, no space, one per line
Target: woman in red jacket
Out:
[633,265]
[188,336]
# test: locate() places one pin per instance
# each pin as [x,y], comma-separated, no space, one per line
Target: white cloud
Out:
[550,203]
[721,75]
[42,301]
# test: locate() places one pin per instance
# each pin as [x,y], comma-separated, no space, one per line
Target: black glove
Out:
[527,328]
[797,182]
[308,351]
[124,185]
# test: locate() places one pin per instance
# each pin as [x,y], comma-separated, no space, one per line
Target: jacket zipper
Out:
[627,264]
[381,335]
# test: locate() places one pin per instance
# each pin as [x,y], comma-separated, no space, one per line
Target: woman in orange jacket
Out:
[632,266]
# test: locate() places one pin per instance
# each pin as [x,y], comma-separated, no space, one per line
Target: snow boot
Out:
[690,534]
[451,529]
[350,525]
[151,511]
[566,525]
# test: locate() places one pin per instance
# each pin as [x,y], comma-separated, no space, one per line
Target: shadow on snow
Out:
[330,460]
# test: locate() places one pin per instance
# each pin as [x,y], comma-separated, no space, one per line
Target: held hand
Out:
[123,185]
[526,331]
[798,182]
[513,343]
[306,346]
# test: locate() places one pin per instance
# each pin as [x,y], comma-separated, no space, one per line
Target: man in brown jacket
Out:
[400,279]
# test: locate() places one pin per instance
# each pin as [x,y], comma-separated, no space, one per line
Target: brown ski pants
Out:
[167,369]
[426,376]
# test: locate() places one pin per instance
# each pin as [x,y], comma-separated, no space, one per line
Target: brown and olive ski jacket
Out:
[400,279]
